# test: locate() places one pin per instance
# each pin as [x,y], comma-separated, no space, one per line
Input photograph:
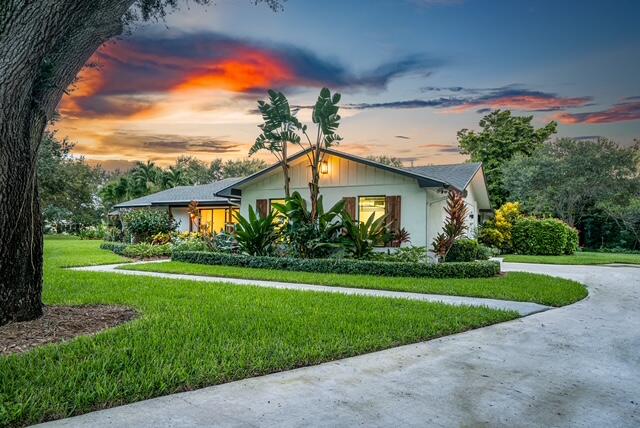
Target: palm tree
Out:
[146,174]
[279,129]
[173,177]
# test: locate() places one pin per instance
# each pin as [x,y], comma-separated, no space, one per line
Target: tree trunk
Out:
[43,45]
[285,171]
[314,186]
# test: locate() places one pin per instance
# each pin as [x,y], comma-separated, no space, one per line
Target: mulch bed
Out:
[61,323]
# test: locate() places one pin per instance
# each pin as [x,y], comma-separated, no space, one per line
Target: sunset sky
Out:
[412,73]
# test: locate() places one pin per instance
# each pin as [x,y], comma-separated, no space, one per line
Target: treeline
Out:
[75,194]
[592,184]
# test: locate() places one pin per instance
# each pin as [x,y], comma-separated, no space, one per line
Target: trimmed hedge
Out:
[481,269]
[543,237]
[116,247]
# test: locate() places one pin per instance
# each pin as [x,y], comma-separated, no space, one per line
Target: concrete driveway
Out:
[574,366]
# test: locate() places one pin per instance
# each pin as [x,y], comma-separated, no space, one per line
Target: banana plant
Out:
[307,237]
[279,129]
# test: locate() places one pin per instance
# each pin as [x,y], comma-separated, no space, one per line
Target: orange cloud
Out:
[621,112]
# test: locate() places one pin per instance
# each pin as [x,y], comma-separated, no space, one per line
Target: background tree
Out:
[502,136]
[242,167]
[43,46]
[278,130]
[68,187]
[386,160]
[578,181]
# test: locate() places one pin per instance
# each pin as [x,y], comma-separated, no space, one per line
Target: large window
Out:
[368,205]
[215,220]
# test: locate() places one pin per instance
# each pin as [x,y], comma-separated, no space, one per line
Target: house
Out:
[412,198]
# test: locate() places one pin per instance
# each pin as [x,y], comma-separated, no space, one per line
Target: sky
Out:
[412,73]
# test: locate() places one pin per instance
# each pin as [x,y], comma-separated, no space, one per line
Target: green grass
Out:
[524,287]
[580,258]
[193,334]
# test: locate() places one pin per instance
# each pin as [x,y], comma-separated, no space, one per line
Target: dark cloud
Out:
[403,137]
[620,112]
[146,145]
[440,148]
[408,104]
[509,97]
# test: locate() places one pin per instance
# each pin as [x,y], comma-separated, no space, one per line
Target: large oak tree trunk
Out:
[43,45]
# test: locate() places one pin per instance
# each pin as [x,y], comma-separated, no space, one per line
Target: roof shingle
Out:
[183,195]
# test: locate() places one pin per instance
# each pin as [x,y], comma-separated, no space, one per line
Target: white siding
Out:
[181,215]
[347,178]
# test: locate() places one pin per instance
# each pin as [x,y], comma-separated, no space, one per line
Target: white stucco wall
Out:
[181,215]
[348,179]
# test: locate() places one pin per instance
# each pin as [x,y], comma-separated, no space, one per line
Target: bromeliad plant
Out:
[305,236]
[454,227]
[256,235]
[359,238]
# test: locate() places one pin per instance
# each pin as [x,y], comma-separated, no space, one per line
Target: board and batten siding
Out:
[347,178]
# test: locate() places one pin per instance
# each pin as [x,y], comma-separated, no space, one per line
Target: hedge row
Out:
[138,251]
[543,237]
[116,247]
[479,269]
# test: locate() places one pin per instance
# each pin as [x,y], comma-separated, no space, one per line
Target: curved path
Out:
[574,366]
[523,308]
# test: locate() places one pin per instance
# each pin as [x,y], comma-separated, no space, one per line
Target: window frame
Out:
[384,197]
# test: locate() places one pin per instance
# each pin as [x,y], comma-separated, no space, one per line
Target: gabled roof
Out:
[458,175]
[183,195]
[423,178]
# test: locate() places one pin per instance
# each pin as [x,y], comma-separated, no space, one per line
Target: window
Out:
[275,201]
[215,220]
[368,205]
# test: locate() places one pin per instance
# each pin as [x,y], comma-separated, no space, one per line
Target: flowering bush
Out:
[497,231]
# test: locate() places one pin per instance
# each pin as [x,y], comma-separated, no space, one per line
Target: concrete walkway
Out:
[575,366]
[523,308]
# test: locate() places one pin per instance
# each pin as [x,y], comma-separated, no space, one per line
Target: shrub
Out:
[497,231]
[573,240]
[113,234]
[144,250]
[479,269]
[403,255]
[93,232]
[544,237]
[467,250]
[116,247]
[143,224]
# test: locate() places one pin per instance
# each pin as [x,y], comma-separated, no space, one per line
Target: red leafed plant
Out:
[454,227]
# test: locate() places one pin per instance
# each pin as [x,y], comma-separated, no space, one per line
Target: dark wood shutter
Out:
[393,211]
[261,207]
[350,206]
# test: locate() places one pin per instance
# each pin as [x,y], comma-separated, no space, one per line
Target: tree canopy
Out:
[576,180]
[501,137]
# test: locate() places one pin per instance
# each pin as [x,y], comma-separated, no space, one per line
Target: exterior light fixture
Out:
[324,167]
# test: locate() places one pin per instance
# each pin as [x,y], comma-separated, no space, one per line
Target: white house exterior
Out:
[414,198]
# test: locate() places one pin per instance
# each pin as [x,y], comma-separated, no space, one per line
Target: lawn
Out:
[525,287]
[192,334]
[580,258]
